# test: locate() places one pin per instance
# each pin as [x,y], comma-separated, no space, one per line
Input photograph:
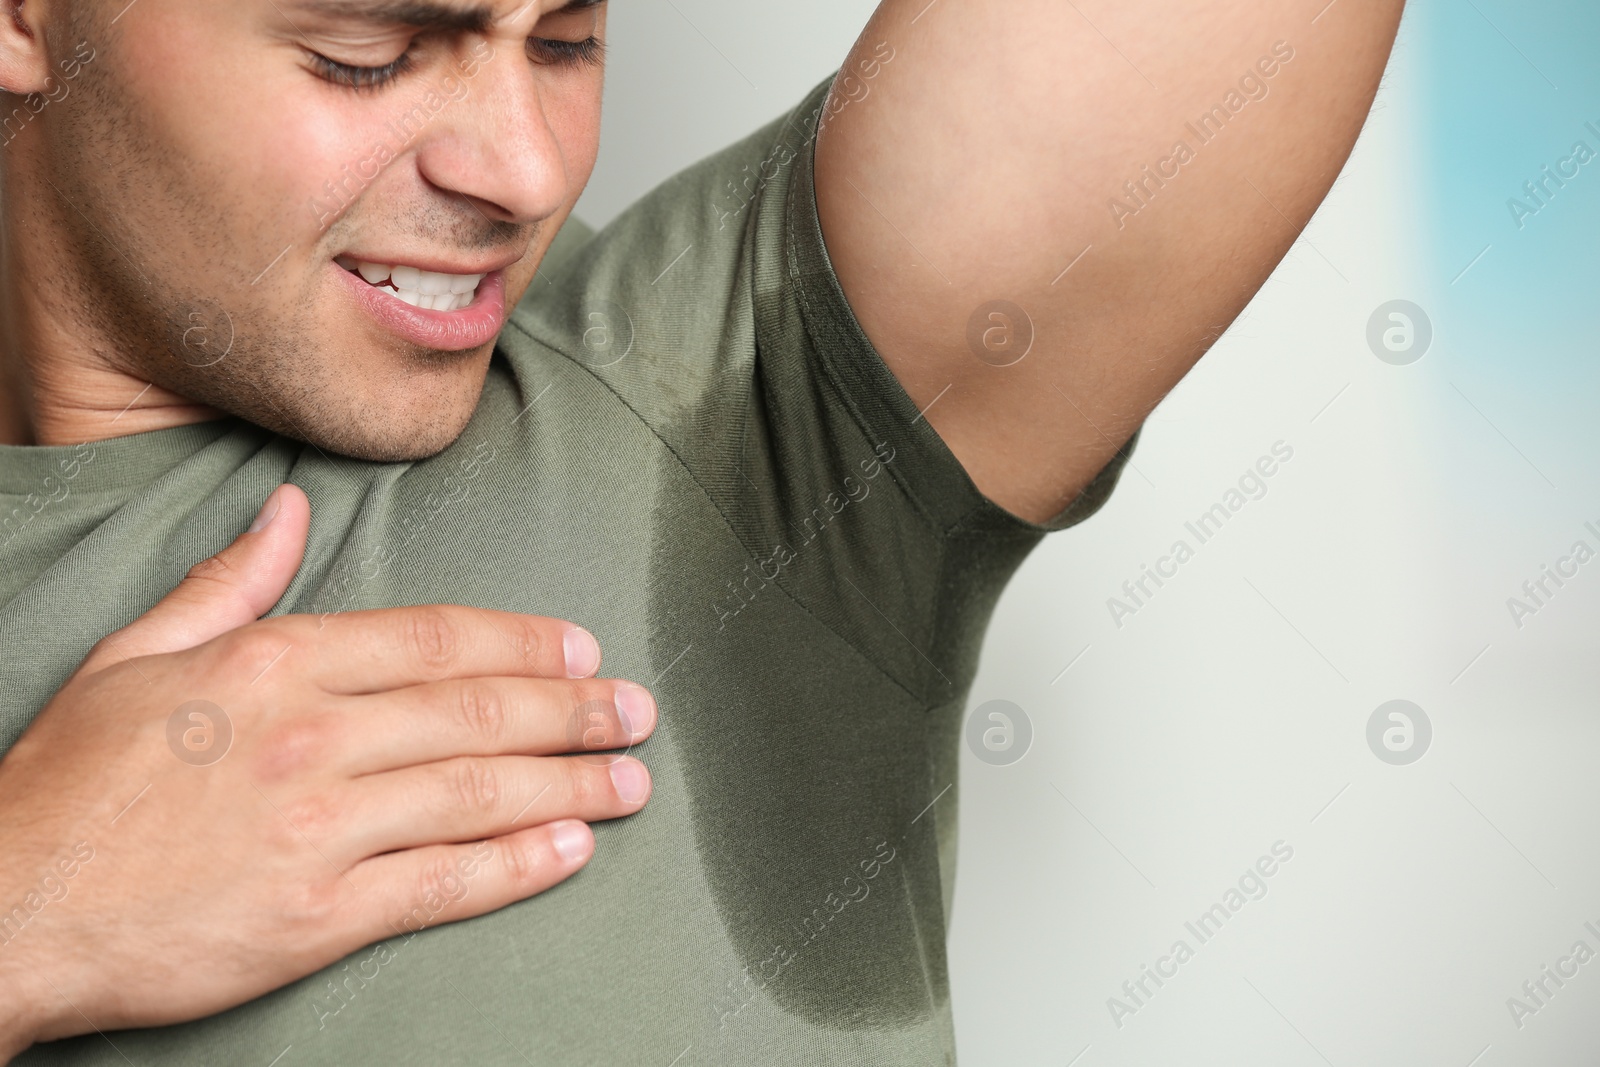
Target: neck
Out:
[60,381]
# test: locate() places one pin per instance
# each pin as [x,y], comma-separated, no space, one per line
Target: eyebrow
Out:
[428,14]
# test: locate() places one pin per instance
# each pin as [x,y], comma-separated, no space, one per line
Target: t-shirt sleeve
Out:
[860,380]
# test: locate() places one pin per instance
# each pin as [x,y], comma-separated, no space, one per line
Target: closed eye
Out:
[589,51]
[360,78]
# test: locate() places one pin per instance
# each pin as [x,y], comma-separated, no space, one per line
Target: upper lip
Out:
[434,264]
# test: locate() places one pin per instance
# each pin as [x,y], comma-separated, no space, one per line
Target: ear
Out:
[24,59]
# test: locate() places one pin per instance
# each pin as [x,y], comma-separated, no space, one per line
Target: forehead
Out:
[460,15]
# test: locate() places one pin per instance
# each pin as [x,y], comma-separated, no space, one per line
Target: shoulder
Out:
[660,303]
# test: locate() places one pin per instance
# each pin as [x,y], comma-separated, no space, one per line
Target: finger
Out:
[472,797]
[490,717]
[236,586]
[388,648]
[404,892]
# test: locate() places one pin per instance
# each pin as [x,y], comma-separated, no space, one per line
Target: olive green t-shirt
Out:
[687,444]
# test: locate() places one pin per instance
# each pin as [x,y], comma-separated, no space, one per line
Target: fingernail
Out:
[269,511]
[582,651]
[636,708]
[631,779]
[571,840]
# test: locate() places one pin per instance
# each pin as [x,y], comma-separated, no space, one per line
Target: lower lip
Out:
[473,326]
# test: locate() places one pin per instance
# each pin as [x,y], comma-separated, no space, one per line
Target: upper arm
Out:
[987,155]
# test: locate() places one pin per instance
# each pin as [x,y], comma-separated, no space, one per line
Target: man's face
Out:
[315,214]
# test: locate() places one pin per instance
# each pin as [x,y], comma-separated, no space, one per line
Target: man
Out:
[776,438]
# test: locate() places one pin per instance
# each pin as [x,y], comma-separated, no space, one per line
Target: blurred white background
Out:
[1231,711]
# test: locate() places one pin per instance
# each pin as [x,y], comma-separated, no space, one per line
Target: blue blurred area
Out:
[1507,88]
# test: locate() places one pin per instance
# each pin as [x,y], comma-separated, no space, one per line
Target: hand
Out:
[342,780]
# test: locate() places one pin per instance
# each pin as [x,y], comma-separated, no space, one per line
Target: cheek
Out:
[574,119]
[299,151]
[245,131]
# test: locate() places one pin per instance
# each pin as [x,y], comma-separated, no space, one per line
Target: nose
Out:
[497,146]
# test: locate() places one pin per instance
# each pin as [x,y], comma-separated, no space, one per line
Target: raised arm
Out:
[1092,188]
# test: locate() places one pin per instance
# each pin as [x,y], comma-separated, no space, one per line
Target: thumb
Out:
[236,586]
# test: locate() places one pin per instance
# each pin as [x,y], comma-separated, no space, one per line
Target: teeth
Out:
[426,289]
[433,301]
